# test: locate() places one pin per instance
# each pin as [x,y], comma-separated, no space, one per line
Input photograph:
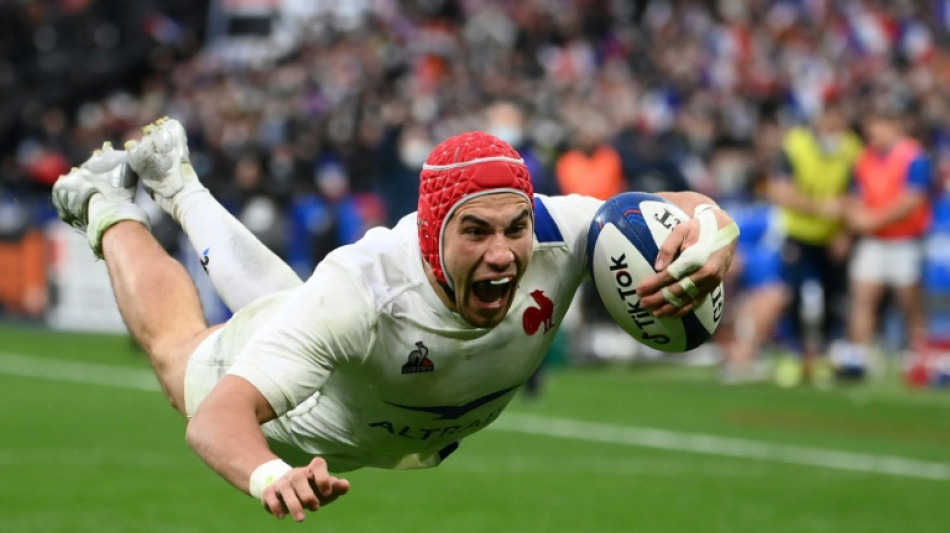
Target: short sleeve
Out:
[327,322]
[572,215]
[919,174]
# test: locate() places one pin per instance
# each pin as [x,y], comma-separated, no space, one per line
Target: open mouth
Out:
[492,291]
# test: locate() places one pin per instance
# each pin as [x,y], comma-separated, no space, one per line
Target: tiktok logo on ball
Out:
[627,290]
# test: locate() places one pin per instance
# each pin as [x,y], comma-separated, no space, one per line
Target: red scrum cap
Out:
[461,168]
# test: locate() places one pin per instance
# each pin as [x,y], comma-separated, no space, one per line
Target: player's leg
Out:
[241,268]
[156,296]
[158,301]
[833,277]
[906,280]
[866,290]
[910,300]
[760,309]
[793,272]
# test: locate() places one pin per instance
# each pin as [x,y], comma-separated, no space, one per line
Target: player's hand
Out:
[860,220]
[304,488]
[701,280]
[831,208]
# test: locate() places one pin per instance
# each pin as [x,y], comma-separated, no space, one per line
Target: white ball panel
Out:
[618,268]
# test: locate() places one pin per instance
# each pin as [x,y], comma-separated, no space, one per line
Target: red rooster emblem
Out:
[534,317]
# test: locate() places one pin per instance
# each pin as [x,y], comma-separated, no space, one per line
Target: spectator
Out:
[669,84]
[761,296]
[506,120]
[890,212]
[810,186]
[592,167]
[328,217]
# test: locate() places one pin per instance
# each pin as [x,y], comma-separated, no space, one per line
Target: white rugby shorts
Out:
[205,368]
[889,262]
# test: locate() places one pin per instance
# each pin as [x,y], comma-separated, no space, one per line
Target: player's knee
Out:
[175,400]
[168,364]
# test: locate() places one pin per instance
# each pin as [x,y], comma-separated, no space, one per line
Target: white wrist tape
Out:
[696,255]
[726,235]
[710,240]
[266,474]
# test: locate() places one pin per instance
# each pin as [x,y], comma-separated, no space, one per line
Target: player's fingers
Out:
[652,286]
[320,476]
[705,280]
[303,488]
[665,309]
[683,311]
[340,487]
[657,291]
[683,236]
[678,298]
[690,289]
[674,299]
[288,496]
[678,239]
[273,503]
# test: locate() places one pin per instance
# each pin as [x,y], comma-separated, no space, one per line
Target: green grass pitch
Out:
[76,456]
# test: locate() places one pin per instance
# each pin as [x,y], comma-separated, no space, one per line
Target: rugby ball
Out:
[622,244]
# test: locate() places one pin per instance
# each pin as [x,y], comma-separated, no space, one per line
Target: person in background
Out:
[592,167]
[506,120]
[755,277]
[890,211]
[809,187]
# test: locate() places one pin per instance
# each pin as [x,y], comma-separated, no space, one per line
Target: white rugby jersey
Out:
[365,366]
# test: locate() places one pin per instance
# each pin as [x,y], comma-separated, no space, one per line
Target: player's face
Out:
[882,132]
[486,248]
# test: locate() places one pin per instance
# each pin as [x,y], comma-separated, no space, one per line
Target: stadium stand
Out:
[702,91]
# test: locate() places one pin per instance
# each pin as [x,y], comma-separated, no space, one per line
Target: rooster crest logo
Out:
[418,360]
[535,317]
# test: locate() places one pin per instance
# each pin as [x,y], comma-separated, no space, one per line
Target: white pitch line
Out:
[564,428]
[77,372]
[663,439]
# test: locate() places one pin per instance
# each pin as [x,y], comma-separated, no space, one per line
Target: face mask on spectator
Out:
[413,153]
[509,133]
[829,142]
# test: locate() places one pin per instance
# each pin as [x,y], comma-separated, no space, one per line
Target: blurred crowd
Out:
[324,135]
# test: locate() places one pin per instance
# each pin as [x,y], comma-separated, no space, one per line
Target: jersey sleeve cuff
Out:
[268,388]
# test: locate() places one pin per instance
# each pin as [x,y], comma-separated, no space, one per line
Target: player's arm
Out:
[226,433]
[862,220]
[693,260]
[780,190]
[319,327]
[919,181]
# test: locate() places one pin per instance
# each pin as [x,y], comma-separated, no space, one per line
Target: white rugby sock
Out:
[241,268]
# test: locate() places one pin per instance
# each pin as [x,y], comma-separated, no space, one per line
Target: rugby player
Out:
[395,349]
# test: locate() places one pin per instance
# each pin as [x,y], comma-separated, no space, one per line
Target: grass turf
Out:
[79,457]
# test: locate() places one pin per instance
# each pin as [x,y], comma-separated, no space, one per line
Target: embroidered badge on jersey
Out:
[418,360]
[535,317]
